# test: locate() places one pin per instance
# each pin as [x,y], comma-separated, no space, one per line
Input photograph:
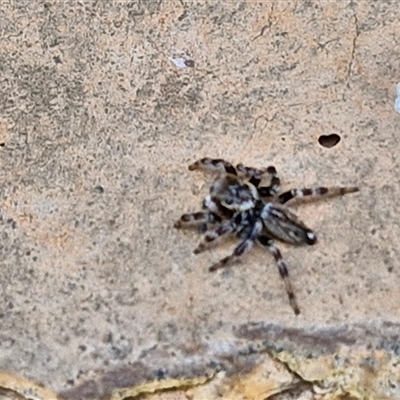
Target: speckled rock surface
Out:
[103,106]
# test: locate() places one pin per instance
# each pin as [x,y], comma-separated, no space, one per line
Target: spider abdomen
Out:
[282,224]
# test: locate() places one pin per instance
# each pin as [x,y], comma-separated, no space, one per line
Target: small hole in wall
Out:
[329,140]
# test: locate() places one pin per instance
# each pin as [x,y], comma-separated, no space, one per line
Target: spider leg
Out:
[250,172]
[243,247]
[213,165]
[197,218]
[274,186]
[283,270]
[223,230]
[315,192]
[256,175]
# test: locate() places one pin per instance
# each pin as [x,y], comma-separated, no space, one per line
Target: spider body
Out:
[237,204]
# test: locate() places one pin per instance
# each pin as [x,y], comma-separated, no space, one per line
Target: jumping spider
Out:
[237,204]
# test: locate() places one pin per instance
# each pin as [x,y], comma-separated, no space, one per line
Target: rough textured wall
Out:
[103,106]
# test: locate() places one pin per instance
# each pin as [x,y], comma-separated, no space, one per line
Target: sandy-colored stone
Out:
[100,119]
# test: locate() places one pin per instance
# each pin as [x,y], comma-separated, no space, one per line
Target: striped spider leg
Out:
[265,241]
[242,248]
[211,237]
[315,192]
[213,165]
[198,219]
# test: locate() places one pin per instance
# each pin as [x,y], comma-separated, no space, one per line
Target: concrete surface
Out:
[103,106]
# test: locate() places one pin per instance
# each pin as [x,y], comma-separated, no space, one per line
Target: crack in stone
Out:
[268,25]
[353,50]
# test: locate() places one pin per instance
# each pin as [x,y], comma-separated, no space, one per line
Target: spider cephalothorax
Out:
[237,204]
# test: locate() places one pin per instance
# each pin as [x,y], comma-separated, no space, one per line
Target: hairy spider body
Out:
[237,204]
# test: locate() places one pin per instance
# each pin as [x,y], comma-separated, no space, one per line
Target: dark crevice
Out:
[329,140]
